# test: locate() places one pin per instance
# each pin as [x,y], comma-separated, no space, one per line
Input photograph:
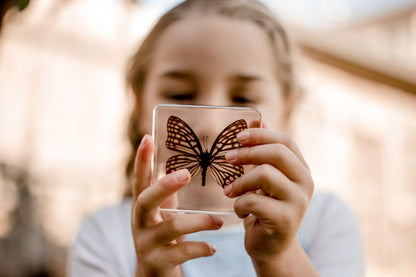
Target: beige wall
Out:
[360,140]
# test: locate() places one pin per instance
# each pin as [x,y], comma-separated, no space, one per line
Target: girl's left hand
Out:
[274,195]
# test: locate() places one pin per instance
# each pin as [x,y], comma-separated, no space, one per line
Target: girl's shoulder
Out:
[330,236]
[321,199]
[104,242]
[326,206]
[118,213]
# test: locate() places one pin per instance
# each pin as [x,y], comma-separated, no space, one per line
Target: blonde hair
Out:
[246,10]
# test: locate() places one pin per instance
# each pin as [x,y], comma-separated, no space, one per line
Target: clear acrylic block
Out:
[197,138]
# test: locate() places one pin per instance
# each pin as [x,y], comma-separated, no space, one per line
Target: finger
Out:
[167,214]
[271,213]
[276,154]
[258,123]
[257,136]
[176,226]
[265,177]
[150,199]
[184,251]
[254,123]
[171,202]
[142,173]
[260,206]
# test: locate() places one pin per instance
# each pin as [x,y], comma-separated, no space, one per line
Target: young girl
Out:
[230,53]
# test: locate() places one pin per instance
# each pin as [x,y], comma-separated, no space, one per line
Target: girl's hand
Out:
[158,237]
[275,193]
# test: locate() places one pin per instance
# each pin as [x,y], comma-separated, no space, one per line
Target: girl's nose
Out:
[207,124]
[214,96]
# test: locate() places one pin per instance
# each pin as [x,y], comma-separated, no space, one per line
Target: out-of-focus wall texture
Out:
[64,106]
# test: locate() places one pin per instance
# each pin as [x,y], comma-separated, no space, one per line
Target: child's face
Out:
[213,60]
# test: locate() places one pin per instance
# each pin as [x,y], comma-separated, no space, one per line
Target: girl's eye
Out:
[242,100]
[180,96]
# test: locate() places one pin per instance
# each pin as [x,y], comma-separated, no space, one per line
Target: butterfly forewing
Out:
[222,171]
[182,138]
[227,139]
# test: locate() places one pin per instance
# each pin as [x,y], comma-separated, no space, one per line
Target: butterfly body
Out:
[204,163]
[182,139]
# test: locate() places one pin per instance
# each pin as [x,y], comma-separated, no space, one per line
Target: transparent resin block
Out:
[197,138]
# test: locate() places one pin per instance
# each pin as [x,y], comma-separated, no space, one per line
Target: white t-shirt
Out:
[328,234]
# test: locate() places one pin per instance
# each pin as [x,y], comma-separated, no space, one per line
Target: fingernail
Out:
[181,176]
[243,136]
[231,155]
[217,220]
[144,141]
[213,248]
[228,189]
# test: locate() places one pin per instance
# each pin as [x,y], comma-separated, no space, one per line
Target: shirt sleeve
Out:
[333,241]
[89,255]
[104,246]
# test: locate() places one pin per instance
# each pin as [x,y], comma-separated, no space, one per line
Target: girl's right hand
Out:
[159,237]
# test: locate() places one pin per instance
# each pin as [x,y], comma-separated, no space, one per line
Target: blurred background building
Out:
[63,109]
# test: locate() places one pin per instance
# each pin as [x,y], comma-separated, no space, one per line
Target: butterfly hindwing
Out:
[182,161]
[225,173]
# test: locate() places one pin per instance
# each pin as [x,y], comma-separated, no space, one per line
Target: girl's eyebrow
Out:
[245,78]
[174,74]
[184,75]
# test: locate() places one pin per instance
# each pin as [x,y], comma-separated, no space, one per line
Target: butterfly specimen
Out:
[181,138]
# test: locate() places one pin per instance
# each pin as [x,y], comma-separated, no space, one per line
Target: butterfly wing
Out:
[222,171]
[225,173]
[181,161]
[181,138]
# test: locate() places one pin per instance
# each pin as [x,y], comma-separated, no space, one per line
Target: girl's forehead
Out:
[213,42]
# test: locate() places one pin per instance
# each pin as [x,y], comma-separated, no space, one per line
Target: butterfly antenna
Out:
[205,139]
